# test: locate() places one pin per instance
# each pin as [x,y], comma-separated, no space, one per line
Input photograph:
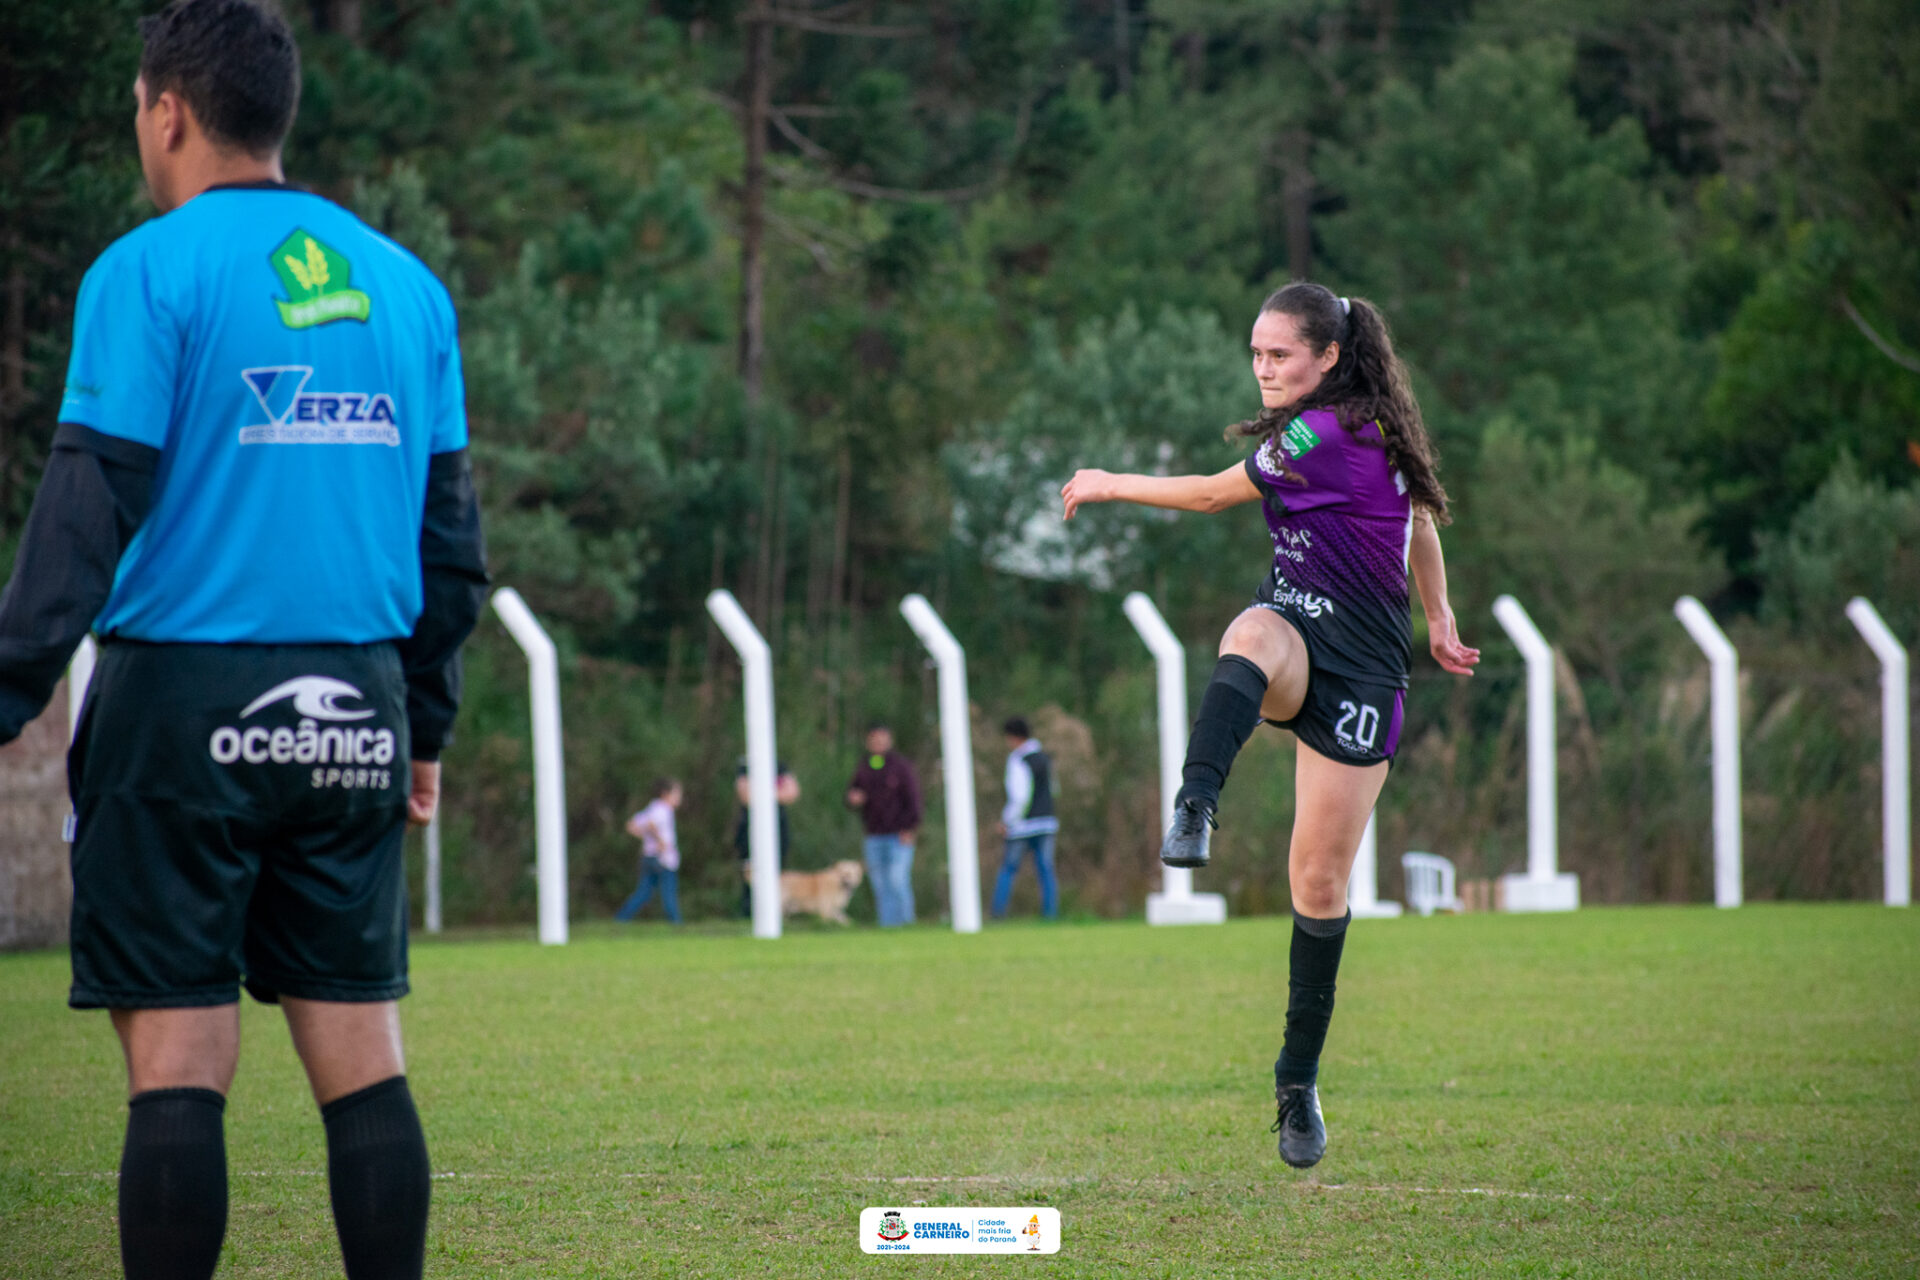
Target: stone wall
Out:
[36,887]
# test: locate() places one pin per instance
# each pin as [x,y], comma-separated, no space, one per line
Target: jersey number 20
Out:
[1365,731]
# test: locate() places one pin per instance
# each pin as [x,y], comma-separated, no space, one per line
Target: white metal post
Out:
[1363,882]
[1895,834]
[1543,887]
[79,676]
[433,873]
[1724,664]
[956,761]
[1176,903]
[763,814]
[549,780]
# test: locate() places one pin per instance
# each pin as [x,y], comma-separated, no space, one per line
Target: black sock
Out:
[1229,713]
[173,1185]
[1312,967]
[378,1175]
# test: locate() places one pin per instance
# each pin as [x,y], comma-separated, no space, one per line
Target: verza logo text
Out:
[341,744]
[297,416]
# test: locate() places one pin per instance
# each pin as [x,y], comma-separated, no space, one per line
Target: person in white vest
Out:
[1028,822]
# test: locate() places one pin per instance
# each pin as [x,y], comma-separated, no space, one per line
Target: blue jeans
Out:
[1042,846]
[653,875]
[890,867]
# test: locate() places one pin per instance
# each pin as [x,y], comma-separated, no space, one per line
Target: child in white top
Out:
[659,852]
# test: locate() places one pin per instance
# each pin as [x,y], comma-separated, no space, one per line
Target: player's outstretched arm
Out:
[1430,576]
[1229,488]
[93,497]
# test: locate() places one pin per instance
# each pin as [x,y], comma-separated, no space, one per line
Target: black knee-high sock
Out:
[1313,965]
[378,1175]
[173,1185]
[1229,713]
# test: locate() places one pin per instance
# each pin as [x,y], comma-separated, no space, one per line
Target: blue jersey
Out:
[296,370]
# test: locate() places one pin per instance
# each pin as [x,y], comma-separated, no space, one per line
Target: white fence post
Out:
[549,779]
[79,676]
[1724,663]
[1543,887]
[432,913]
[1895,834]
[956,761]
[1176,903]
[763,814]
[1363,882]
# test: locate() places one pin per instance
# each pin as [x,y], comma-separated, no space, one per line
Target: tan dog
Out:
[824,893]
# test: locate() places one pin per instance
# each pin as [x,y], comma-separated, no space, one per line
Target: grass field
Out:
[1646,1092]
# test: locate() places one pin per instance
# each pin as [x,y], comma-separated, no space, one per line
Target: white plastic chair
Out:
[1429,883]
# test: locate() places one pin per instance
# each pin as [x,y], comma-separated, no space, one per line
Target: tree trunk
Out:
[13,376]
[342,17]
[1122,46]
[1296,196]
[753,196]
[842,523]
[716,578]
[777,572]
[1193,49]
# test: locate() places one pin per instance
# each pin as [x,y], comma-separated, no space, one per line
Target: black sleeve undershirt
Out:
[93,496]
[453,570]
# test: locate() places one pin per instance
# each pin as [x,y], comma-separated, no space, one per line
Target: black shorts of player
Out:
[240,811]
[1348,718]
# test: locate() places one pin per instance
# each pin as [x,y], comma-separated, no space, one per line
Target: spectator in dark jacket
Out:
[886,791]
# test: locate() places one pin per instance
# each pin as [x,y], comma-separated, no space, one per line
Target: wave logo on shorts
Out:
[339,742]
[315,696]
[298,416]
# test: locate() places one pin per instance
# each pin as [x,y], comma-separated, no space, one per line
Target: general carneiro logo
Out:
[1026,1231]
[316,277]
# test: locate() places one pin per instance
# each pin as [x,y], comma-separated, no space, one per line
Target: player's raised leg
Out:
[377,1171]
[1262,673]
[173,1168]
[1333,803]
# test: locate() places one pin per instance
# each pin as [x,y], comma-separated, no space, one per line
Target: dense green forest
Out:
[822,301]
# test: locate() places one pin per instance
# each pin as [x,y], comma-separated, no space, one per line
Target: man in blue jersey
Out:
[259,498]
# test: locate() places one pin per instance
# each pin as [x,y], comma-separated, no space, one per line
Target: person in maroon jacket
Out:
[886,791]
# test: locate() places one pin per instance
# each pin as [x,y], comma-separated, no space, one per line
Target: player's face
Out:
[1284,363]
[149,129]
[879,742]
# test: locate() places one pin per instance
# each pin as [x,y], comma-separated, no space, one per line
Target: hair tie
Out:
[1346,308]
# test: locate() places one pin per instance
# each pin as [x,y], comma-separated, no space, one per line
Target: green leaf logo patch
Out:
[316,277]
[1298,438]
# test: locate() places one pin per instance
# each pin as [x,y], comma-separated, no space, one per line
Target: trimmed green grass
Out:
[1646,1092]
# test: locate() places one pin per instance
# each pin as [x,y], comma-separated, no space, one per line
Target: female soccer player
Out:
[1346,475]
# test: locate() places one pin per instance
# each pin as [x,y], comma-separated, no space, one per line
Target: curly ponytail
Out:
[1366,384]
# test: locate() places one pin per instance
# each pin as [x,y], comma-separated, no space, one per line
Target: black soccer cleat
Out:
[1190,835]
[1302,1129]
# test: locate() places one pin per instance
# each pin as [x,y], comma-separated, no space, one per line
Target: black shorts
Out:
[240,812]
[1349,718]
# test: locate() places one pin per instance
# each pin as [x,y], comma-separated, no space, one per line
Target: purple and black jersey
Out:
[1342,524]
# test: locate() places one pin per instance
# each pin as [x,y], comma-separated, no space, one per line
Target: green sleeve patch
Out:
[1298,438]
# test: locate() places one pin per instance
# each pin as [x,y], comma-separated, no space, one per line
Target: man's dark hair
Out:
[233,62]
[879,726]
[1017,728]
[661,786]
